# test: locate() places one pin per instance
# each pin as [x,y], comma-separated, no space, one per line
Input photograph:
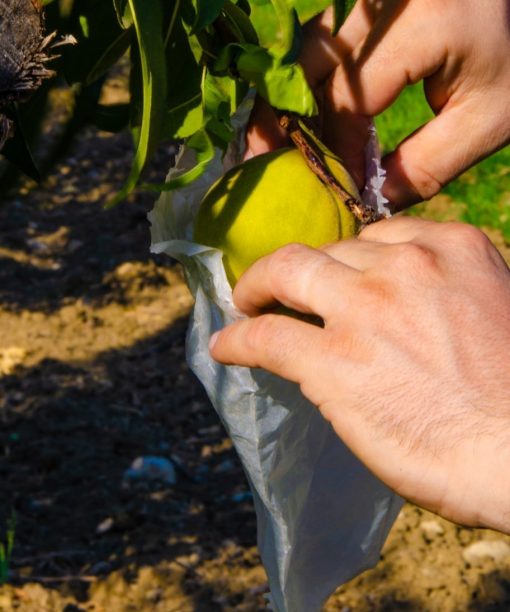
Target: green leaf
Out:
[274,23]
[101,41]
[282,85]
[185,73]
[11,528]
[285,35]
[4,565]
[204,149]
[135,87]
[147,19]
[228,57]
[238,23]
[123,13]
[84,23]
[110,56]
[307,9]
[218,94]
[185,119]
[184,98]
[206,12]
[339,16]
[342,9]
[349,5]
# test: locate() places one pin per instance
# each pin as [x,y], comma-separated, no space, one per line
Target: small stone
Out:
[151,468]
[431,529]
[154,596]
[243,496]
[224,467]
[206,451]
[101,567]
[476,553]
[105,525]
[10,358]
[125,270]
[259,589]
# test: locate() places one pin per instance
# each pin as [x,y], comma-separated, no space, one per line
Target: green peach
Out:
[269,201]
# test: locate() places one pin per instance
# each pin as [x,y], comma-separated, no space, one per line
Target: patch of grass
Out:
[408,113]
[483,191]
[6,549]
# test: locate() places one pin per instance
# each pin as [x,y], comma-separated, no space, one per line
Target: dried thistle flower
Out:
[24,52]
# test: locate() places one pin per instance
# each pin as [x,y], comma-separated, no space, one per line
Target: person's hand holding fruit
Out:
[460,50]
[411,366]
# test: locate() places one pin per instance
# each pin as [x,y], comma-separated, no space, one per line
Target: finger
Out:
[436,154]
[396,230]
[400,49]
[277,343]
[321,52]
[347,135]
[299,277]
[264,132]
[320,55]
[358,254]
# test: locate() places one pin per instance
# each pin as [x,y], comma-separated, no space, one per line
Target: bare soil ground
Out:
[92,375]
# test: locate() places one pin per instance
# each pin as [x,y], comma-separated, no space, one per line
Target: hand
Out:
[412,365]
[461,51]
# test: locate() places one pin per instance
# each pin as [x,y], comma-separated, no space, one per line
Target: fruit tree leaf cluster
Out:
[191,63]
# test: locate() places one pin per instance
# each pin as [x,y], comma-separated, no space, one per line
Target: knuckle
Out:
[414,256]
[372,230]
[284,261]
[324,270]
[288,252]
[378,292]
[267,340]
[344,344]
[260,330]
[424,183]
[466,236]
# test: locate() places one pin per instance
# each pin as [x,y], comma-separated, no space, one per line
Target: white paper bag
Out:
[322,516]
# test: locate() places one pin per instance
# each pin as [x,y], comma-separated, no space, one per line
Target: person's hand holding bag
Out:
[412,365]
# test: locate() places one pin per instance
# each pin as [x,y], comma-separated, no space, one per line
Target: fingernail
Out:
[212,341]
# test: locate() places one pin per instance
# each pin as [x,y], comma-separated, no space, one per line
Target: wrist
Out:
[495,503]
[488,488]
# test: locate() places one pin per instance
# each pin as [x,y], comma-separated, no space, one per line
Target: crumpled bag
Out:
[322,516]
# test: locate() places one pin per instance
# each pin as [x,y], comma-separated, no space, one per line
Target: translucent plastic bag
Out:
[322,516]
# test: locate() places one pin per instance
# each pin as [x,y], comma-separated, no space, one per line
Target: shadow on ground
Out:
[68,435]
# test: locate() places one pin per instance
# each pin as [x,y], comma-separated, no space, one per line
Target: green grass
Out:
[6,549]
[482,194]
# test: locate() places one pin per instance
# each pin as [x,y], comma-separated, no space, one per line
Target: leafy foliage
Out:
[191,64]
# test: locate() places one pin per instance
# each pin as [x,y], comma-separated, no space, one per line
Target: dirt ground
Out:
[92,376]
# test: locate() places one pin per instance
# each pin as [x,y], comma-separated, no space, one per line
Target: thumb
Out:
[459,137]
[401,48]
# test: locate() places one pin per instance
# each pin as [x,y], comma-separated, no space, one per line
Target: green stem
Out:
[172,21]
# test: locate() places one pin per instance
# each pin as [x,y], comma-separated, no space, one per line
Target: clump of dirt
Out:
[93,375]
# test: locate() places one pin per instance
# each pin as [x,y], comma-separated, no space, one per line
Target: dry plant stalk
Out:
[303,136]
